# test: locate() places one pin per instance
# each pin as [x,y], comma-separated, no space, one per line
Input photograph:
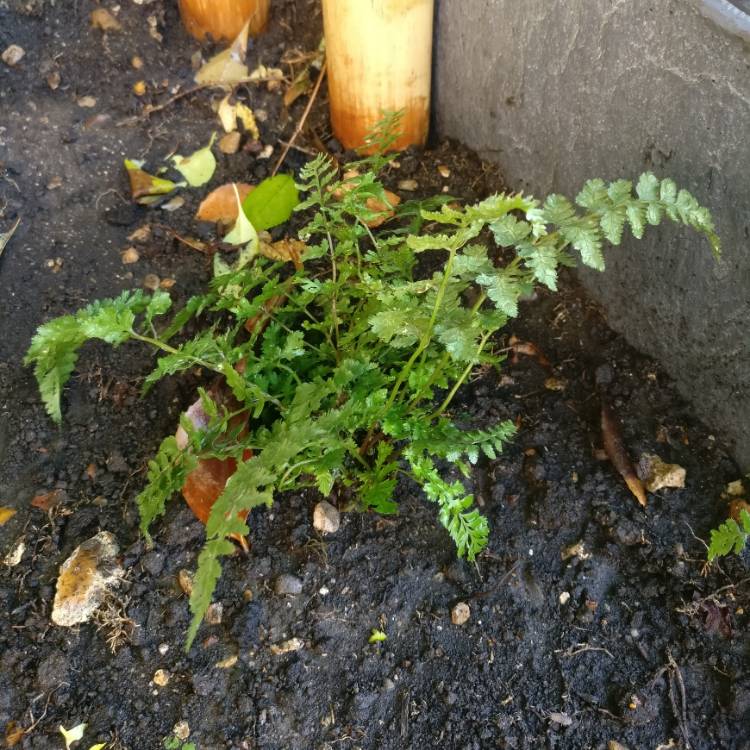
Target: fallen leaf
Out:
[55,183]
[173,203]
[555,384]
[206,482]
[72,735]
[230,143]
[262,73]
[443,171]
[13,55]
[53,79]
[408,185]
[272,202]
[298,87]
[5,237]
[286,250]
[199,167]
[261,320]
[144,187]
[98,746]
[87,101]
[221,204]
[293,644]
[244,231]
[167,283]
[735,509]
[656,474]
[13,733]
[528,349]
[227,663]
[16,554]
[383,208]
[618,454]
[141,234]
[6,514]
[48,500]
[151,282]
[228,67]
[735,489]
[102,19]
[85,580]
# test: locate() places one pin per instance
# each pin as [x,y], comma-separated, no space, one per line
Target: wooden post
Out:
[223,19]
[379,56]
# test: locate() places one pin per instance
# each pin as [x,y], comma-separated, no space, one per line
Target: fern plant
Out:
[350,379]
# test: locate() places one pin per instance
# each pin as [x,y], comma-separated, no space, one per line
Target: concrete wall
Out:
[560,90]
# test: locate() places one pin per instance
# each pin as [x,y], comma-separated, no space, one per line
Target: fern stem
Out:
[465,374]
[427,338]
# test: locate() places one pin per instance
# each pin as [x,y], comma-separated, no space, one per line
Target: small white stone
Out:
[460,613]
[323,591]
[163,648]
[326,518]
[181,730]
[564,597]
[85,579]
[13,55]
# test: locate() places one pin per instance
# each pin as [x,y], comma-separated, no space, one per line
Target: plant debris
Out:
[618,454]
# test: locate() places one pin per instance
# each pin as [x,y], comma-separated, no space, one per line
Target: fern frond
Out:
[167,472]
[730,536]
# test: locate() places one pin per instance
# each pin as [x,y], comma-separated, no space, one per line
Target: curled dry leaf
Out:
[286,250]
[207,481]
[230,114]
[47,500]
[199,167]
[228,67]
[527,349]
[6,514]
[735,508]
[618,454]
[14,733]
[385,209]
[221,204]
[145,188]
[102,19]
[129,255]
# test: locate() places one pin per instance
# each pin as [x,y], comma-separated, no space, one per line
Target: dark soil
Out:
[633,641]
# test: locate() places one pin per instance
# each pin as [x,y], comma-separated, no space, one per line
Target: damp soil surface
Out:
[592,621]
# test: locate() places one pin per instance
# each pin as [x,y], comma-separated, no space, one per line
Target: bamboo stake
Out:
[223,19]
[379,56]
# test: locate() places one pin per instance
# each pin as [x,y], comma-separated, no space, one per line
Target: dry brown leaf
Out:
[6,514]
[286,250]
[228,67]
[221,204]
[299,86]
[13,733]
[528,349]
[141,234]
[736,507]
[47,500]
[144,187]
[618,454]
[102,19]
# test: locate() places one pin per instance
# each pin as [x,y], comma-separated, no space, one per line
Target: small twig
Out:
[301,123]
[6,237]
[582,648]
[676,676]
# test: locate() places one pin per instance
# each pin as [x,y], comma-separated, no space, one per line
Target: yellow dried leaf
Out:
[6,514]
[228,67]
[229,143]
[287,250]
[144,187]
